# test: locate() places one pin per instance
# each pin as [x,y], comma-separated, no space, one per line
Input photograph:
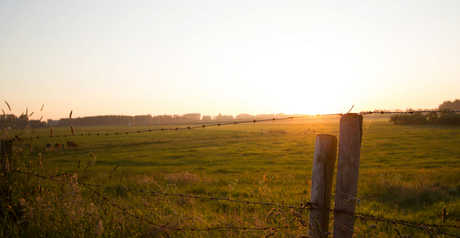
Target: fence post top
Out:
[328,136]
[351,115]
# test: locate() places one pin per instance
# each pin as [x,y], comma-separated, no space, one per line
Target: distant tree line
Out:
[159,119]
[93,121]
[125,120]
[9,120]
[444,115]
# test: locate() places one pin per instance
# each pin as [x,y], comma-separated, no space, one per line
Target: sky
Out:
[230,57]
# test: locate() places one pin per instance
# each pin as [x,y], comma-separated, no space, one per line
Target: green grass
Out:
[406,172]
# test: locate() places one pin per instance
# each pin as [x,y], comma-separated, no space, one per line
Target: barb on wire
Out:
[350,109]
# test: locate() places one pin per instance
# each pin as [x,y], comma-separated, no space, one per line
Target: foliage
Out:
[447,117]
[455,105]
[21,122]
[413,119]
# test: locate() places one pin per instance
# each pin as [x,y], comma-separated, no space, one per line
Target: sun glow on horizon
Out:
[309,79]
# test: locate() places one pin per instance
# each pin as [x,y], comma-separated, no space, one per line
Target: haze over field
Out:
[229,57]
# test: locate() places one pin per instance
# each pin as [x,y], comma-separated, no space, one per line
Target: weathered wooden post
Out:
[5,155]
[350,138]
[321,183]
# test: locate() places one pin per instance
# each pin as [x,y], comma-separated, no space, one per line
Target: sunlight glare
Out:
[305,79]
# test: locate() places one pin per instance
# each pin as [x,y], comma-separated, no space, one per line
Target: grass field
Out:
[406,173]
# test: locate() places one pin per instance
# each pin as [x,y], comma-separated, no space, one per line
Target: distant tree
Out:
[413,119]
[22,121]
[455,105]
[142,119]
[192,116]
[448,119]
[394,119]
[206,118]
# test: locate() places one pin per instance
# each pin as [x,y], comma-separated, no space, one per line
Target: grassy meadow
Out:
[406,173]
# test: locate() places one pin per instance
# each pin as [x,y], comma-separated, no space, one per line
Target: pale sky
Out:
[229,57]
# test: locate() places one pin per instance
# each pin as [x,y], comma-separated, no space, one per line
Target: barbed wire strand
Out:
[305,204]
[405,223]
[185,229]
[394,221]
[368,113]
[405,112]
[125,211]
[169,128]
[372,217]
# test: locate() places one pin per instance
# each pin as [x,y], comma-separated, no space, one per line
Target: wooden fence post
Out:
[5,155]
[350,138]
[321,183]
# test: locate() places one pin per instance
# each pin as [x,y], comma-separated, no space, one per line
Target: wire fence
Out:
[433,228]
[305,205]
[218,124]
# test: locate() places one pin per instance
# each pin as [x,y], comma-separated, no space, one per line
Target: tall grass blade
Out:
[8,105]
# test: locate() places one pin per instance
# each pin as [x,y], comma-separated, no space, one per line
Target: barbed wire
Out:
[306,205]
[125,211]
[185,229]
[218,124]
[55,177]
[372,217]
[405,112]
[362,216]
[176,128]
[405,223]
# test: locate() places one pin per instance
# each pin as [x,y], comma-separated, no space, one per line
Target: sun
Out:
[309,80]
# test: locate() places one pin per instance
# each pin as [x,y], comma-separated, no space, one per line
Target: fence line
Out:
[306,205]
[345,229]
[405,112]
[368,113]
[176,128]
